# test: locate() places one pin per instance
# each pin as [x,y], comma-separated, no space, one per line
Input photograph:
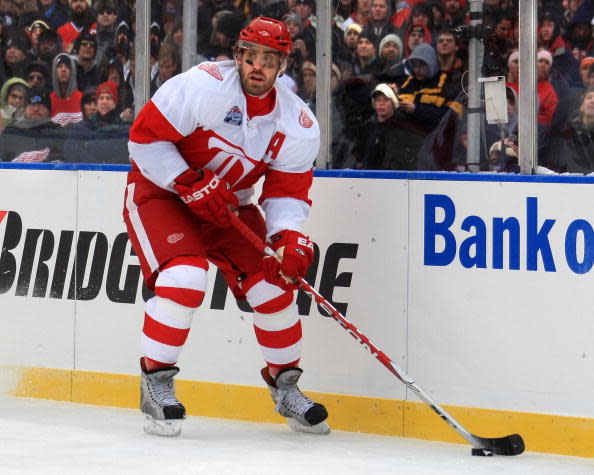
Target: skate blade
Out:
[167,428]
[322,428]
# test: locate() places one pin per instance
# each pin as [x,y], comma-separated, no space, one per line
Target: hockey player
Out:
[197,148]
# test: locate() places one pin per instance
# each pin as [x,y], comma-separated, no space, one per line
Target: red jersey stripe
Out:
[152,126]
[287,185]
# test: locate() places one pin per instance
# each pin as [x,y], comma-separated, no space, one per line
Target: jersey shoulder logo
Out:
[211,69]
[305,119]
[234,116]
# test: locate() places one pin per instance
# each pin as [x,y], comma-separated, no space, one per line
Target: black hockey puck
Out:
[481,452]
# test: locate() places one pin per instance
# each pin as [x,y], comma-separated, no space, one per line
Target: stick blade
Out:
[509,445]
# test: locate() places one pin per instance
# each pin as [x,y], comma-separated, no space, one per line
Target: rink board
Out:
[477,286]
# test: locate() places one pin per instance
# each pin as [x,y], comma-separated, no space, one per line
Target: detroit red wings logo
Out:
[211,69]
[305,119]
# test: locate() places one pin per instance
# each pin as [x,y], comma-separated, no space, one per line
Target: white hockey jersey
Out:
[199,119]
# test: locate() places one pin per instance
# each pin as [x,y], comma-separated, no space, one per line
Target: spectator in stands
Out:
[498,45]
[587,72]
[573,150]
[547,97]
[382,144]
[127,101]
[122,45]
[401,15]
[379,24]
[169,66]
[88,105]
[550,37]
[227,31]
[365,64]
[307,91]
[33,32]
[114,73]
[422,14]
[37,74]
[345,8]
[447,56]
[415,35]
[578,32]
[48,47]
[171,14]
[503,156]
[80,19]
[294,23]
[35,137]
[54,12]
[175,38]
[360,16]
[87,72]
[103,137]
[305,9]
[15,57]
[454,13]
[347,54]
[20,14]
[438,14]
[13,97]
[65,96]
[423,100]
[106,27]
[390,54]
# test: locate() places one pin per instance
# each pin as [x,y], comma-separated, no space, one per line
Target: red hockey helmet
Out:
[267,32]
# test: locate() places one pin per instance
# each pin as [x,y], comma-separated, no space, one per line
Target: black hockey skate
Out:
[303,414]
[163,413]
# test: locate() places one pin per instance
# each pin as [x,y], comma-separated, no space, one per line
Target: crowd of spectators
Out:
[399,77]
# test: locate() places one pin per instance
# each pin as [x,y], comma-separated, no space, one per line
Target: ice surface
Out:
[54,438]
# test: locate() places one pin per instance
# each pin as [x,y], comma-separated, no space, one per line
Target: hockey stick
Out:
[508,445]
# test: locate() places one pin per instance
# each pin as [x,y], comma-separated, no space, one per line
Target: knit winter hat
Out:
[353,26]
[294,18]
[63,58]
[309,65]
[391,38]
[110,88]
[544,54]
[586,62]
[512,57]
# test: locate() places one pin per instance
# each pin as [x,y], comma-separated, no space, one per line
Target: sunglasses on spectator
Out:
[35,77]
[106,11]
[87,43]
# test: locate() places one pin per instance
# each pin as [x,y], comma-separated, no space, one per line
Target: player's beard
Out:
[253,86]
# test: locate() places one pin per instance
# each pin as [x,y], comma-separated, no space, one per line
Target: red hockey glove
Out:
[208,197]
[297,253]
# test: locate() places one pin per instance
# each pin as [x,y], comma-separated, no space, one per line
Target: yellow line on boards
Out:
[542,432]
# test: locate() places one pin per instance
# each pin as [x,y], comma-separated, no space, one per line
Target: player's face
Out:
[258,68]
